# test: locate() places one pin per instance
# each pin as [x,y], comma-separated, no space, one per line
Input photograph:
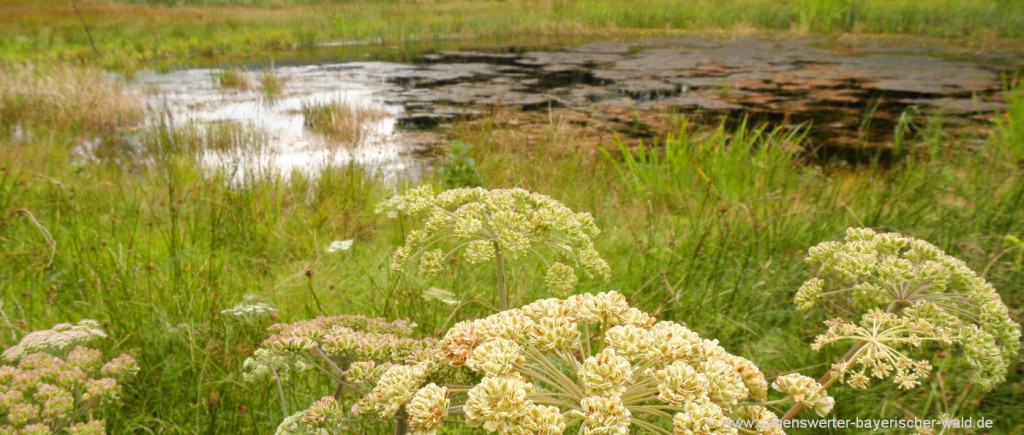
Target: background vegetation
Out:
[134,34]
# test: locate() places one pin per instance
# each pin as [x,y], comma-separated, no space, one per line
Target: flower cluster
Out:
[805,391]
[546,366]
[323,417]
[338,341]
[56,340]
[499,224]
[339,245]
[392,207]
[911,293]
[47,389]
[250,312]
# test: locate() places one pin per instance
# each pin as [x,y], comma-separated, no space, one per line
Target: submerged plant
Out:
[588,361]
[497,226]
[912,296]
[54,382]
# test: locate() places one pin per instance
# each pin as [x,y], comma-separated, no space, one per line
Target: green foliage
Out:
[459,169]
[270,84]
[731,165]
[1009,126]
[341,120]
[230,78]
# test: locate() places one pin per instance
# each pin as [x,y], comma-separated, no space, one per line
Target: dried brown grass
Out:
[60,96]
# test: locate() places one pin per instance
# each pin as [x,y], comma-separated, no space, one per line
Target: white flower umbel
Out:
[498,226]
[909,293]
[250,312]
[339,245]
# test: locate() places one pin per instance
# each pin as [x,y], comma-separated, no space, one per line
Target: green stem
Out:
[309,285]
[499,258]
[280,392]
[401,425]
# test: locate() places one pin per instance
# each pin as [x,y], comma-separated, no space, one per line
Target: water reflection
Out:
[272,136]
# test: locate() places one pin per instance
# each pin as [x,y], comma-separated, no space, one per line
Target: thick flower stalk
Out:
[499,226]
[49,389]
[911,295]
[590,362]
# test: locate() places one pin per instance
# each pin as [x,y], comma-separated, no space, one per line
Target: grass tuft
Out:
[61,97]
[231,79]
[343,121]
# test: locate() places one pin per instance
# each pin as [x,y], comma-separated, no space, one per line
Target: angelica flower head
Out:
[542,420]
[52,387]
[606,374]
[322,414]
[516,223]
[394,389]
[724,382]
[549,333]
[760,419]
[496,357]
[56,340]
[351,337]
[603,415]
[497,403]
[628,340]
[910,292]
[805,391]
[680,383]
[702,418]
[428,407]
[121,367]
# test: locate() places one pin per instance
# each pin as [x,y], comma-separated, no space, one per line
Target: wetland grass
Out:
[63,97]
[271,85]
[341,120]
[231,79]
[131,35]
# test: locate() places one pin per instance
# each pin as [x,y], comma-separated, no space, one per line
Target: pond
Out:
[848,97]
